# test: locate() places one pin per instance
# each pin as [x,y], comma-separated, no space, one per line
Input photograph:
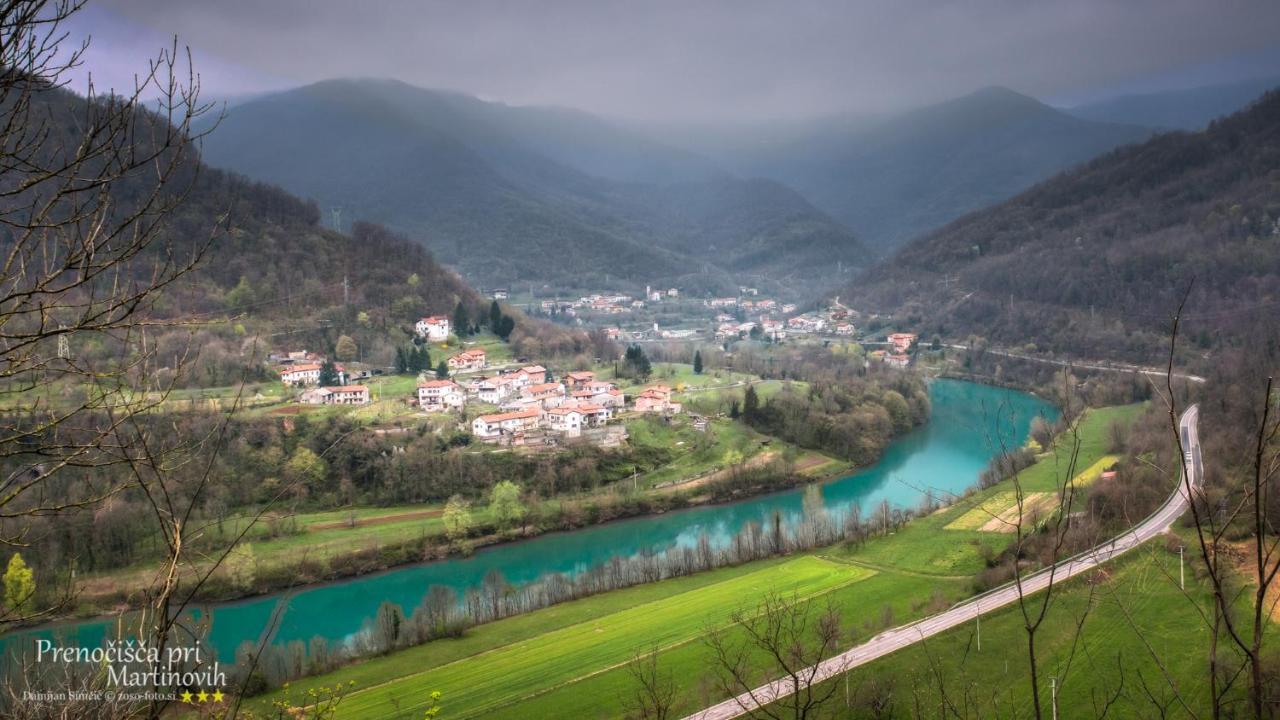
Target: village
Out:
[512,406]
[515,404]
[669,315]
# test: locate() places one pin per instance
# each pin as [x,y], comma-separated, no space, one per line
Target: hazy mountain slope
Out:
[485,187]
[1094,261]
[759,227]
[892,179]
[1190,109]
[345,146]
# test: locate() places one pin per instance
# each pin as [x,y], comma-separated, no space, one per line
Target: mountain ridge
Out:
[893,178]
[487,200]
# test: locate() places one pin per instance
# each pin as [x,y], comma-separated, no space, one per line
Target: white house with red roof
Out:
[434,328]
[468,360]
[902,341]
[548,395]
[565,420]
[496,390]
[441,396]
[594,415]
[534,374]
[494,427]
[656,399]
[576,380]
[339,395]
[300,374]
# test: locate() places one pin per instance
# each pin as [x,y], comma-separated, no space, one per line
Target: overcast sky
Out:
[700,61]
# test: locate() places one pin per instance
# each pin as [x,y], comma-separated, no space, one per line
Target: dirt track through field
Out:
[379,520]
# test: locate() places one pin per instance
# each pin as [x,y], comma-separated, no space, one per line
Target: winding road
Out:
[891,640]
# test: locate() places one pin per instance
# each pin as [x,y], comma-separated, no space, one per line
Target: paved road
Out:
[900,637]
[1117,367]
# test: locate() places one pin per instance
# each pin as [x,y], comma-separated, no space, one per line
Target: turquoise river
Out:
[968,425]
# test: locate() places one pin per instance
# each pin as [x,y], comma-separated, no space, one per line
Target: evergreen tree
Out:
[697,362]
[328,374]
[402,362]
[734,410]
[419,359]
[495,316]
[505,326]
[442,371]
[461,322]
[750,404]
[635,363]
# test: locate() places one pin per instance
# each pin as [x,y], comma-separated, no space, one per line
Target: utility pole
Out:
[979,620]
[1053,695]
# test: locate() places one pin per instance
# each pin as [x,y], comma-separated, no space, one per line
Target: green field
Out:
[514,672]
[1131,609]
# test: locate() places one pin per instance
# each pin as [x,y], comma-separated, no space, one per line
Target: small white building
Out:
[493,427]
[434,328]
[301,374]
[441,396]
[495,391]
[565,420]
[340,395]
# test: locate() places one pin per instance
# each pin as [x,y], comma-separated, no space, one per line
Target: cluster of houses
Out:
[301,369]
[834,320]
[533,406]
[606,303]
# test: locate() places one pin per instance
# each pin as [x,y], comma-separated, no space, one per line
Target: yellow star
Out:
[202,696]
[217,695]
[186,696]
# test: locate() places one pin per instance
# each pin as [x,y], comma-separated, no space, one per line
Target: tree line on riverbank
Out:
[443,612]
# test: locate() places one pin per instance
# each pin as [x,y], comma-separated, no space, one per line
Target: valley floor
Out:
[570,660]
[290,548]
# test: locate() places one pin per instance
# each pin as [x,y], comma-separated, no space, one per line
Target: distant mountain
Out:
[1094,262]
[524,194]
[891,179]
[1190,109]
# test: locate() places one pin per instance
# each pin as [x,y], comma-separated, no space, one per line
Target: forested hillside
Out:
[269,270]
[526,194]
[1095,261]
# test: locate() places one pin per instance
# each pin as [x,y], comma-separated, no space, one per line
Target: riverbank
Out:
[945,456]
[379,540]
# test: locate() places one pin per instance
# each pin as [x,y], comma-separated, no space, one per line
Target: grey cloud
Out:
[716,60]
